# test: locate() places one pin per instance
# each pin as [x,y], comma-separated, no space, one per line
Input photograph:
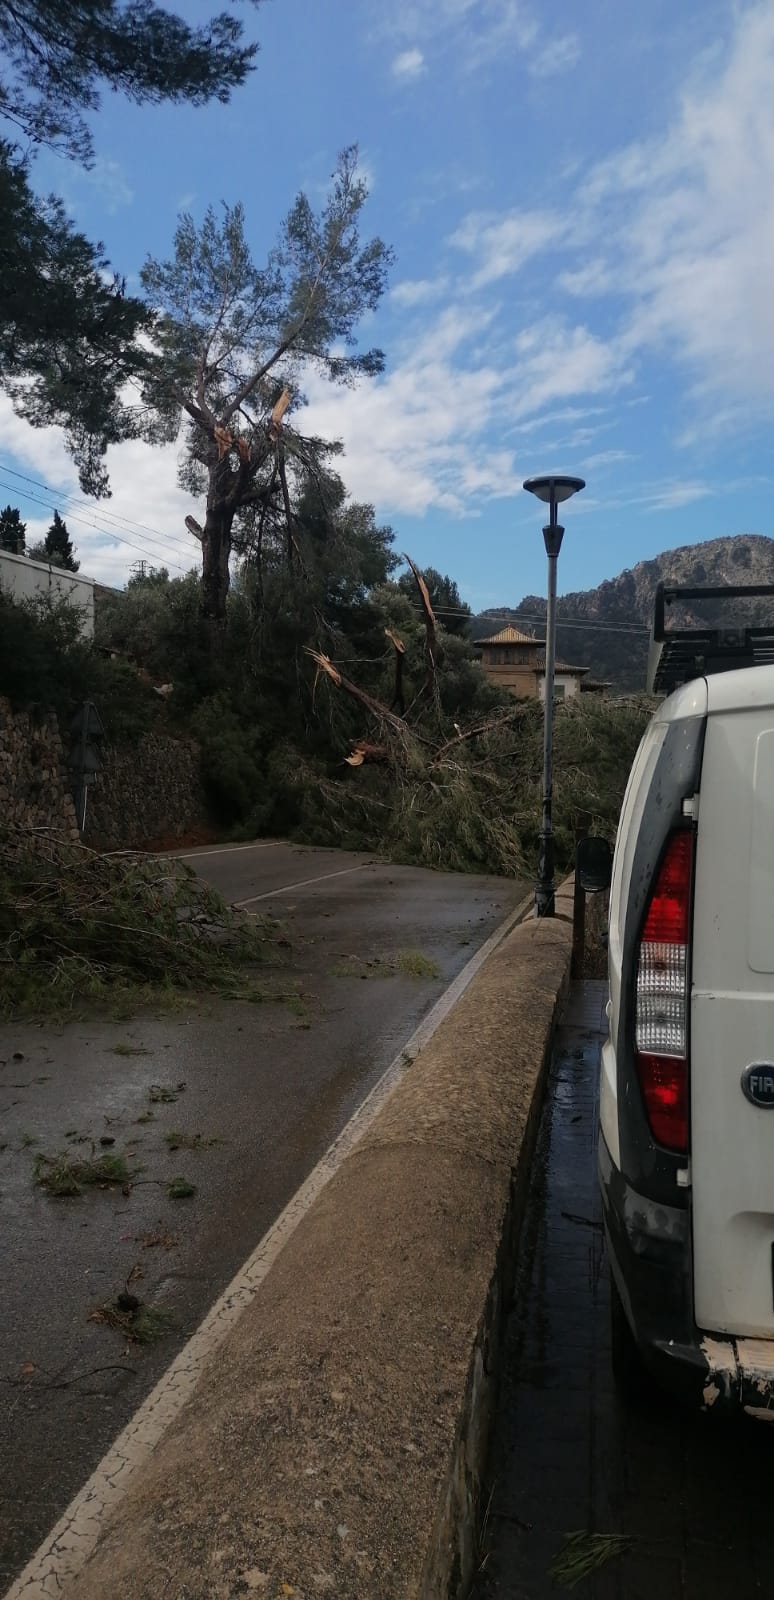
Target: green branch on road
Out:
[79,928]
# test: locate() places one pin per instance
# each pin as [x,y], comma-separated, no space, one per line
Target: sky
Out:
[580,198]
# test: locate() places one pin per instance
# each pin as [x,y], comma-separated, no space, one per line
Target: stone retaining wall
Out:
[146,795]
[34,784]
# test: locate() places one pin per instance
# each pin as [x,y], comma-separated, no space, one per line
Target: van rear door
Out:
[732,1011]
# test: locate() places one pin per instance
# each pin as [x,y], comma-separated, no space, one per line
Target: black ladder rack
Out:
[679,654]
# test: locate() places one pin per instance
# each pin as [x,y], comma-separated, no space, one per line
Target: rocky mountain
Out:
[626,603]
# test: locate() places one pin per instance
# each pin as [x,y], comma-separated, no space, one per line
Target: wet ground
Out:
[692,1493]
[371,948]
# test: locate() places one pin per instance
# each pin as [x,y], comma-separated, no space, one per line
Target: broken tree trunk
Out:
[398,698]
[433,650]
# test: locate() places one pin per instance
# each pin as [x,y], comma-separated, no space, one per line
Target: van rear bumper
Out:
[649,1247]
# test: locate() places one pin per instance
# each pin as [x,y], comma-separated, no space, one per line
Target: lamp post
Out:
[552,489]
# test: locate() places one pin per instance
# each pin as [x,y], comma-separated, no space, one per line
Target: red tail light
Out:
[661,1021]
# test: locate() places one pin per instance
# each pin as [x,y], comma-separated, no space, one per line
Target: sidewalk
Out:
[566,1454]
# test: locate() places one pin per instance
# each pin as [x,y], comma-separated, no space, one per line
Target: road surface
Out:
[371,947]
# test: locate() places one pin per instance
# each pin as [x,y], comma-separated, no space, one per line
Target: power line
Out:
[513,619]
[107,533]
[73,506]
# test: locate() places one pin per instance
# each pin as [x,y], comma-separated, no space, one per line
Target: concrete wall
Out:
[570,682]
[34,783]
[336,1441]
[25,580]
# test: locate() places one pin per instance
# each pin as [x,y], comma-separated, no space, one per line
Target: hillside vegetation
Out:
[621,658]
[334,710]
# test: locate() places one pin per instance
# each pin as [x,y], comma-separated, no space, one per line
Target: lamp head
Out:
[554,487]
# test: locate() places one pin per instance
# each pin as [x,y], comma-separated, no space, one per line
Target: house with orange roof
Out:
[517,661]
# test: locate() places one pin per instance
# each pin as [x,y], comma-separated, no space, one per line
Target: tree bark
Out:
[216,549]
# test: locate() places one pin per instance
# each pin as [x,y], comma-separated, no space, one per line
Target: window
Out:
[559,689]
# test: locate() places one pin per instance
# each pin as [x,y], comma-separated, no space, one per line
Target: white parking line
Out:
[67,1547]
[304,884]
[226,849]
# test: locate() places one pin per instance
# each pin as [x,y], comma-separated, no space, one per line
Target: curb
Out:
[337,1436]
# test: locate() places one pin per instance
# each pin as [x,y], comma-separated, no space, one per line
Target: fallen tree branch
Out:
[433,651]
[375,707]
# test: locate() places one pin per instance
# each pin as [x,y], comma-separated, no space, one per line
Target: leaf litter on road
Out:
[65,1176]
[583,1552]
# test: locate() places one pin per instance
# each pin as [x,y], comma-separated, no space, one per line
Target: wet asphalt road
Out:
[692,1492]
[272,1083]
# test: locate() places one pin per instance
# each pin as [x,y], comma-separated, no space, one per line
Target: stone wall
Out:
[150,794]
[34,782]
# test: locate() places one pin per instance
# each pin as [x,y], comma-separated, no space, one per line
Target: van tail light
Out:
[663,976]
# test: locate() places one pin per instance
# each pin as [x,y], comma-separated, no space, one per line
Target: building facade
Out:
[517,662]
[24,579]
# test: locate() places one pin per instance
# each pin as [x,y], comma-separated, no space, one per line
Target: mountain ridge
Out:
[627,600]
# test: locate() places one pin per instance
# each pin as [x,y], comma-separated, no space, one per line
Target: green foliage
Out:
[70,336]
[231,765]
[65,1176]
[58,546]
[69,333]
[584,1552]
[450,610]
[45,662]
[274,733]
[232,336]
[475,806]
[57,54]
[12,531]
[75,926]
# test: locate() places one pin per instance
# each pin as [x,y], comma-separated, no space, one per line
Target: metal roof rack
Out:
[678,654]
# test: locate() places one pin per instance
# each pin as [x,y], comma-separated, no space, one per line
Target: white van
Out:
[686,1137]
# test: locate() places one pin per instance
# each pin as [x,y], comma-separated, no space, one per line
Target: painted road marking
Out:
[290,888]
[224,850]
[67,1547]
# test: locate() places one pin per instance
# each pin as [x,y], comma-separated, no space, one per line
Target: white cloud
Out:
[558,55]
[607,458]
[474,32]
[418,291]
[594,278]
[690,219]
[413,439]
[676,495]
[109,180]
[557,362]
[432,433]
[501,245]
[408,65]
[144,518]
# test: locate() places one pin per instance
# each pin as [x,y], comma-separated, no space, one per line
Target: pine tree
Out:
[233,346]
[58,546]
[70,335]
[56,57]
[12,531]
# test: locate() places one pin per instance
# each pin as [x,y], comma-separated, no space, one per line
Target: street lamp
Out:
[552,489]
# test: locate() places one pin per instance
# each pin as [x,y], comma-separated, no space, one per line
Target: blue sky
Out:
[581,202]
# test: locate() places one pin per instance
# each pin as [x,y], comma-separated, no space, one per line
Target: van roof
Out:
[741,690]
